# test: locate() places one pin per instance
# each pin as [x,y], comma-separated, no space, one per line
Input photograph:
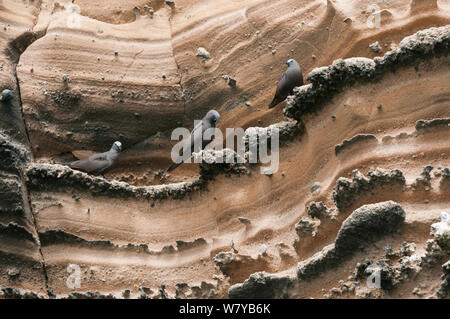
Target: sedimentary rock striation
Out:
[364,156]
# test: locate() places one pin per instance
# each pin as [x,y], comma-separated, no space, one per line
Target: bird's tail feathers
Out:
[173,166]
[66,163]
[273,103]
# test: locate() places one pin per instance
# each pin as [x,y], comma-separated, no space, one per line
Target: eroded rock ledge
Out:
[42,176]
[425,125]
[327,81]
[353,140]
[346,190]
[366,224]
[59,236]
[13,156]
[262,285]
[12,230]
[57,177]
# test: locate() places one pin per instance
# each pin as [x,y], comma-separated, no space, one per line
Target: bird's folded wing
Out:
[92,164]
[282,84]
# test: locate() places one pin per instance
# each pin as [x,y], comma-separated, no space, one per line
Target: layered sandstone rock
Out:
[369,126]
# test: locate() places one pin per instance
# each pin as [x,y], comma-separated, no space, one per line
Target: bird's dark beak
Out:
[286,63]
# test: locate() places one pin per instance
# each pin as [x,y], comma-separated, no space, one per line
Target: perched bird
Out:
[209,121]
[291,78]
[98,164]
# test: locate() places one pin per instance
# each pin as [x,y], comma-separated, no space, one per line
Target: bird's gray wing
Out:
[282,90]
[188,146]
[290,79]
[206,141]
[283,85]
[94,163]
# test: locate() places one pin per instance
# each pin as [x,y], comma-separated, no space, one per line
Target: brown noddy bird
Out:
[209,121]
[291,78]
[98,164]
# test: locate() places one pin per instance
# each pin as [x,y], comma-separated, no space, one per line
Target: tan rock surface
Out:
[135,78]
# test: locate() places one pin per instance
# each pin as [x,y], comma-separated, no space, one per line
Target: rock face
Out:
[441,230]
[348,190]
[327,81]
[261,286]
[445,286]
[320,210]
[306,227]
[238,267]
[77,75]
[58,176]
[19,246]
[94,101]
[367,223]
[355,139]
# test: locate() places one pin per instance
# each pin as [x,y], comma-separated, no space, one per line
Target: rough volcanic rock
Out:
[306,227]
[287,131]
[347,190]
[441,230]
[424,179]
[427,125]
[214,162]
[58,176]
[321,211]
[366,224]
[238,266]
[89,295]
[130,72]
[445,286]
[14,293]
[327,81]
[261,285]
[355,139]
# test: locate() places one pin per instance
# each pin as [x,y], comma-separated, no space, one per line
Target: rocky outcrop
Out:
[14,293]
[134,70]
[441,230]
[445,286]
[60,237]
[423,181]
[261,285]
[321,211]
[346,190]
[327,81]
[351,141]
[225,161]
[238,266]
[286,130]
[58,177]
[307,227]
[202,291]
[89,295]
[366,224]
[430,125]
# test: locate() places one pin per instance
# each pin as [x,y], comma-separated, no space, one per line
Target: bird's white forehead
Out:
[290,60]
[118,143]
